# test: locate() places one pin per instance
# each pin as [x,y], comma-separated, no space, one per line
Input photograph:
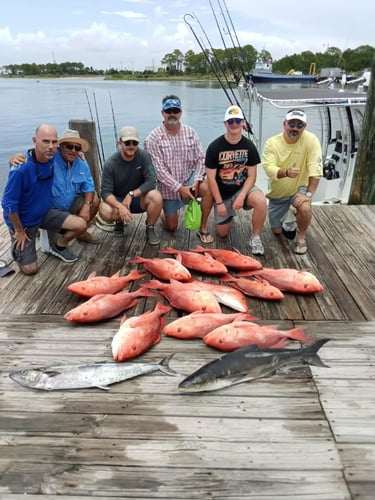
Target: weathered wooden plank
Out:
[165,427]
[144,483]
[134,403]
[172,453]
[353,430]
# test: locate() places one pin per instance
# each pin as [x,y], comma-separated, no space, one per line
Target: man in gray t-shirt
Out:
[129,186]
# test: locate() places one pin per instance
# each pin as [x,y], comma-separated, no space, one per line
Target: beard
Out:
[172,120]
[293,134]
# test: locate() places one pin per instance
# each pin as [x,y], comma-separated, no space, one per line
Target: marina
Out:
[306,435]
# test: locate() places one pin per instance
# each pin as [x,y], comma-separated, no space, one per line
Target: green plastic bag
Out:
[193,216]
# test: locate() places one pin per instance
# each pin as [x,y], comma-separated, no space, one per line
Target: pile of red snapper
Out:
[200,299]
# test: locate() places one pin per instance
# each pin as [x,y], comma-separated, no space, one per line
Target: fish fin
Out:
[91,276]
[164,366]
[198,249]
[123,319]
[116,275]
[103,387]
[310,353]
[236,250]
[316,361]
[52,373]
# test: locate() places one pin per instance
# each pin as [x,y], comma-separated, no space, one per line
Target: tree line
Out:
[230,62]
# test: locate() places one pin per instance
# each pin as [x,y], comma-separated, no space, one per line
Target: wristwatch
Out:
[308,194]
[131,193]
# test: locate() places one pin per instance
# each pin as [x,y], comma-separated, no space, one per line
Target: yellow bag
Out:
[193,216]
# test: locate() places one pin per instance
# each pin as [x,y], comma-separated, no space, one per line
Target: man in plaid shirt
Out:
[178,158]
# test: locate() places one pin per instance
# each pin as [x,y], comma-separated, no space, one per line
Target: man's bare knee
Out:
[29,269]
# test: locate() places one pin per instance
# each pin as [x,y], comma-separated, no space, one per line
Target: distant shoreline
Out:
[114,79]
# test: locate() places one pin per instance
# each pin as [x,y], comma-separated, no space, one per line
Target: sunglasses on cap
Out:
[237,121]
[172,111]
[298,125]
[130,142]
[76,147]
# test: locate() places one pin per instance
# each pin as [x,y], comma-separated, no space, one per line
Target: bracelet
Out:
[286,172]
[219,203]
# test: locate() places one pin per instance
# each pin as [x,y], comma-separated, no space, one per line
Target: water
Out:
[25,103]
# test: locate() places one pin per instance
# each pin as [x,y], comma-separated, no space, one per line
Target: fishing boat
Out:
[335,115]
[263,73]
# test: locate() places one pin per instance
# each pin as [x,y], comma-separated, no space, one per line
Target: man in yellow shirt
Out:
[293,162]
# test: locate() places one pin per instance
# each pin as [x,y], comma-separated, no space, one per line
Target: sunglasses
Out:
[237,121]
[174,111]
[76,147]
[299,125]
[130,143]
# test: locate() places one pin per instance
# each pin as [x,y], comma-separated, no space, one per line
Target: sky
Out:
[137,34]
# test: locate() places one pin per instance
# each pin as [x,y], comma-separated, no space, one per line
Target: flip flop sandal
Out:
[299,246]
[205,237]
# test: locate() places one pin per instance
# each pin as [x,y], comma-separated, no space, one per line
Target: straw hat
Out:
[73,137]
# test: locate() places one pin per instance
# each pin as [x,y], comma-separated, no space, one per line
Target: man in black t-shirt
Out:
[231,168]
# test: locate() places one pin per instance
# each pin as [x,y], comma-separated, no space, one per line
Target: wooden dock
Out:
[310,436]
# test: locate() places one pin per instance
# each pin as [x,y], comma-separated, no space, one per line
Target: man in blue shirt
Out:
[73,188]
[73,192]
[26,203]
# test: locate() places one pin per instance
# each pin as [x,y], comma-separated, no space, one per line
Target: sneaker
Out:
[63,254]
[151,235]
[119,229]
[256,246]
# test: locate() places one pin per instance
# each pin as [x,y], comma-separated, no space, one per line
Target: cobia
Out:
[247,364]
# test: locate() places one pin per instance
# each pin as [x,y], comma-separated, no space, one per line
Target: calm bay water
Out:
[25,103]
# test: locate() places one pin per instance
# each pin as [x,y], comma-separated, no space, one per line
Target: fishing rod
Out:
[233,70]
[218,63]
[234,100]
[204,51]
[113,117]
[102,158]
[237,48]
[89,105]
[248,126]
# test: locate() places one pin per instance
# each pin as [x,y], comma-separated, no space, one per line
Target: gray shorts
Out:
[171,207]
[52,221]
[228,205]
[277,208]
[28,254]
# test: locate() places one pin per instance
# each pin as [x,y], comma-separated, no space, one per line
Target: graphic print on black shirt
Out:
[231,162]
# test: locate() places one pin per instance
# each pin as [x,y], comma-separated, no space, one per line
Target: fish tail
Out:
[310,353]
[164,366]
[169,250]
[299,334]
